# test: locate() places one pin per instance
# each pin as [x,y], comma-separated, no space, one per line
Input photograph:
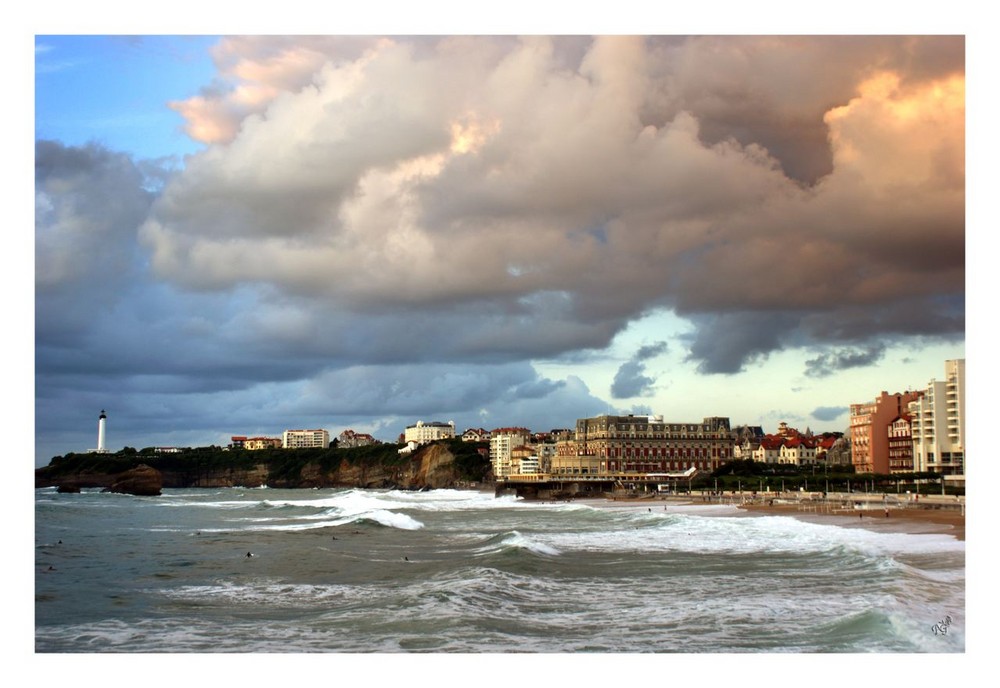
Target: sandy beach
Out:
[900,519]
[910,520]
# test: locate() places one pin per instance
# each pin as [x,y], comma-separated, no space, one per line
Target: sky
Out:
[238,235]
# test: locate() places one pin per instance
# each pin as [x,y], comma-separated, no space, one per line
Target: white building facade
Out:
[305,439]
[502,442]
[937,423]
[422,432]
[527,465]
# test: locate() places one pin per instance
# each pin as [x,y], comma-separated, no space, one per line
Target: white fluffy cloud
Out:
[392,176]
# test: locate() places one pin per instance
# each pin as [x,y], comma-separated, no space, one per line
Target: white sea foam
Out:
[381,516]
[516,540]
[664,531]
[265,592]
[389,518]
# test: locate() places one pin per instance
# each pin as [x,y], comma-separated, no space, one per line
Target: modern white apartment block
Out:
[305,439]
[422,432]
[937,423]
[502,443]
[527,465]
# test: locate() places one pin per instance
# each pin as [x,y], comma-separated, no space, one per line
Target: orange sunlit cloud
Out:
[893,134]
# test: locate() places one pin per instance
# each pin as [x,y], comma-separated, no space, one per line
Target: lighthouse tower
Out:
[101,422]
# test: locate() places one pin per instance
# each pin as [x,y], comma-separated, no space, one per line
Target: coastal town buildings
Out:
[768,449]
[527,465]
[255,443]
[258,443]
[348,438]
[869,427]
[503,441]
[422,432]
[546,451]
[557,435]
[753,433]
[938,423]
[904,432]
[304,439]
[476,435]
[901,445]
[825,443]
[577,464]
[745,449]
[798,451]
[648,444]
[787,446]
[524,460]
[836,449]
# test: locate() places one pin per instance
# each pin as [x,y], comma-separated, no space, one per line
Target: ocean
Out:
[449,571]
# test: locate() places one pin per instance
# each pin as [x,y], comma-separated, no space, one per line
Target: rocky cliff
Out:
[141,480]
[430,467]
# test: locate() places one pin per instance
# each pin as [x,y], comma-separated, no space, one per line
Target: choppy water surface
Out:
[451,571]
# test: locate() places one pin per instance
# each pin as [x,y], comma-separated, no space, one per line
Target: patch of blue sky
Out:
[115,90]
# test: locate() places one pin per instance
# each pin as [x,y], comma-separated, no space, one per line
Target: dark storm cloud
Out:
[649,351]
[630,380]
[176,368]
[829,413]
[829,363]
[89,201]
[728,342]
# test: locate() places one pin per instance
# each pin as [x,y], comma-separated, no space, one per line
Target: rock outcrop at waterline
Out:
[142,480]
[437,465]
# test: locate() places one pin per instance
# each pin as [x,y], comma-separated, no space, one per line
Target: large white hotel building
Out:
[644,444]
[422,432]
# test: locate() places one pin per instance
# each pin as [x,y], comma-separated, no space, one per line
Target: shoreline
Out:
[915,520]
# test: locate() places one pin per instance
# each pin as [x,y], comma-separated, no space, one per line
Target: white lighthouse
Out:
[101,422]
